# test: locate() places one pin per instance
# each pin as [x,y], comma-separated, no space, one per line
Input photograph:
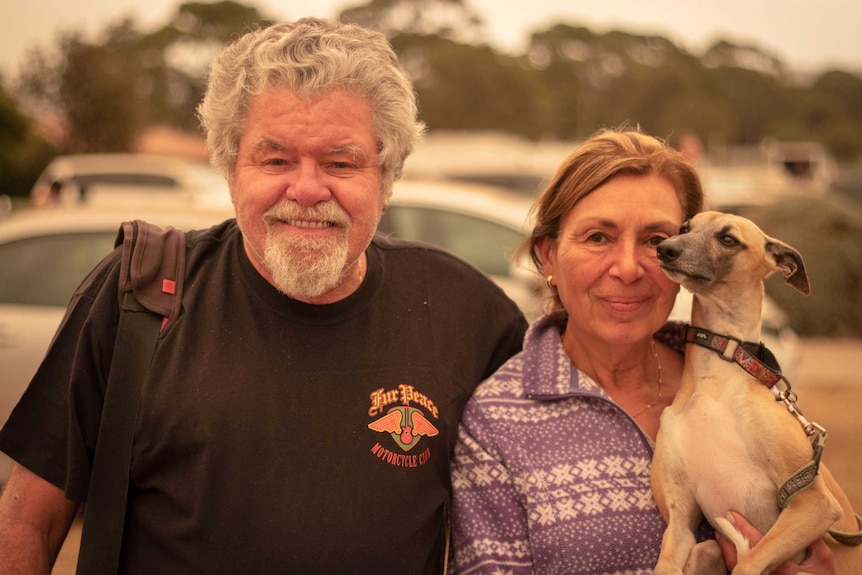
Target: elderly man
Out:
[299,415]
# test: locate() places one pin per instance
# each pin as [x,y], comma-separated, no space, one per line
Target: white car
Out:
[44,255]
[128,179]
[481,224]
[484,225]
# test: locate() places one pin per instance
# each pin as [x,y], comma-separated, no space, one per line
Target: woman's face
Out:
[604,262]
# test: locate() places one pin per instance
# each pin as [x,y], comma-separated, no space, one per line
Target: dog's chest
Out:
[716,452]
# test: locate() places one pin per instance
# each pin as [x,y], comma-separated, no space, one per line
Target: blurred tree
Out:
[108,90]
[833,262]
[833,115]
[468,87]
[13,125]
[103,89]
[446,18]
[22,151]
[724,54]
[179,54]
[569,82]
[100,90]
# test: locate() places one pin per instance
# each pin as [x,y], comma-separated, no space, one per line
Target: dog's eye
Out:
[684,229]
[728,240]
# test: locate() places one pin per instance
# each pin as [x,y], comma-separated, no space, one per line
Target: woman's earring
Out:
[548,280]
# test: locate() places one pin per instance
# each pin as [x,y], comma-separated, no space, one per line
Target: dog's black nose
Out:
[667,252]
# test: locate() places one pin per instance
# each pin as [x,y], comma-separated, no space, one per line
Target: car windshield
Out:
[46,270]
[485,244]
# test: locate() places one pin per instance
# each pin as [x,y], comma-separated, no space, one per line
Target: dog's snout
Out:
[668,251]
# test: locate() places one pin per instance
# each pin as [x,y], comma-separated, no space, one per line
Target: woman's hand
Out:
[817,562]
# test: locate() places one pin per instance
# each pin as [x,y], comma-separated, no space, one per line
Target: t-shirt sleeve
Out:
[53,428]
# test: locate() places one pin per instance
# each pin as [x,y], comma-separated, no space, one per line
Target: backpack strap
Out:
[151,272]
[154,261]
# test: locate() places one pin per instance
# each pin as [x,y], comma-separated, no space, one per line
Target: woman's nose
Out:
[628,264]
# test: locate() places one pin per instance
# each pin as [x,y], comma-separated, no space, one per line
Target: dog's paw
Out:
[705,559]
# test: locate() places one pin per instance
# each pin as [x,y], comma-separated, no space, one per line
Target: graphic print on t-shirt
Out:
[404,423]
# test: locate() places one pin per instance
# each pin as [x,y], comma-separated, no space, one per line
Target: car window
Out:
[486,244]
[46,270]
[139,180]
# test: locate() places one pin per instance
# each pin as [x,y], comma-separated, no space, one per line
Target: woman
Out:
[551,470]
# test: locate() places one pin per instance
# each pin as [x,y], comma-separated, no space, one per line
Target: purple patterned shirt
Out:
[550,475]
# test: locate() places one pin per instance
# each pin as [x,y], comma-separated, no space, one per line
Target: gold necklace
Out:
[657,399]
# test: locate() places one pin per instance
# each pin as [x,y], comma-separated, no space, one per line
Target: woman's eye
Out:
[656,240]
[596,238]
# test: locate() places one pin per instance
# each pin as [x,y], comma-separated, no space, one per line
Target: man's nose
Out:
[308,187]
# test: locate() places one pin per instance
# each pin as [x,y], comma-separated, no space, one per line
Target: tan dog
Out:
[726,443]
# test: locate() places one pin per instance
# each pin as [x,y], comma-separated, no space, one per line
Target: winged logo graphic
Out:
[407,425]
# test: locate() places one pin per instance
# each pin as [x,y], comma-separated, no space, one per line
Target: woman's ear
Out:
[548,254]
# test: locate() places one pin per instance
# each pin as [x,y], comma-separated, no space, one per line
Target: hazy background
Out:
[806,35]
[765,93]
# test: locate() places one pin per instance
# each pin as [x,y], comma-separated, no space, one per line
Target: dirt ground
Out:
[830,393]
[829,386]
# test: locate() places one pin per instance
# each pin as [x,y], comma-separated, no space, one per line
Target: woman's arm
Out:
[489,524]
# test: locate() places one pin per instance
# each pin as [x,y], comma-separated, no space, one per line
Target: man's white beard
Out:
[305,267]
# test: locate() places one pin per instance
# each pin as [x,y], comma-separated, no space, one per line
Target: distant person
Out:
[300,413]
[552,467]
[689,145]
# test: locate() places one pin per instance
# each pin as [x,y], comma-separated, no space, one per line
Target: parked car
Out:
[133,179]
[484,225]
[44,255]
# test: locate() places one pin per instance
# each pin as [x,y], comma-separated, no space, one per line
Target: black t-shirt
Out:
[277,436]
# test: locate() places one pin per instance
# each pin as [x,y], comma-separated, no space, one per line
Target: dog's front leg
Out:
[806,518]
[683,516]
[675,500]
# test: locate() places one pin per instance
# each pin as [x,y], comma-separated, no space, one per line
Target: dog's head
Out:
[714,249]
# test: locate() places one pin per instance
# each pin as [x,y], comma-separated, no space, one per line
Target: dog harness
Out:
[760,363]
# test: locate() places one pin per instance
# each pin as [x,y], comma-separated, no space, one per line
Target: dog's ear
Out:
[789,262]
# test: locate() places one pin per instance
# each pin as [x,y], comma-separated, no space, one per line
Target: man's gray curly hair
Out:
[311,56]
